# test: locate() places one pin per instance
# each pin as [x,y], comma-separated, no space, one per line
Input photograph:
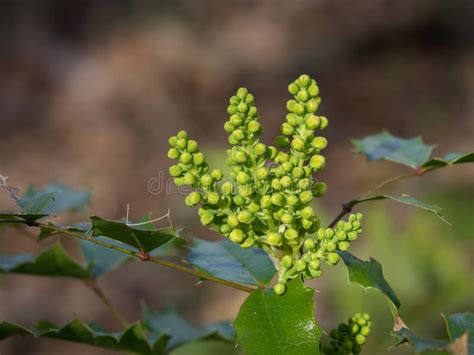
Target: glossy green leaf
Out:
[404,335]
[228,261]
[100,260]
[411,152]
[280,325]
[52,199]
[169,322]
[132,339]
[144,237]
[51,262]
[460,323]
[206,347]
[449,159]
[368,274]
[405,199]
[28,217]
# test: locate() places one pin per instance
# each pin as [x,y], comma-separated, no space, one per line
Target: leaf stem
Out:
[138,255]
[92,284]
[347,207]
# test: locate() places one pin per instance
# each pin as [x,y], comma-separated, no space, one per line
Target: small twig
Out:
[139,255]
[346,208]
[92,284]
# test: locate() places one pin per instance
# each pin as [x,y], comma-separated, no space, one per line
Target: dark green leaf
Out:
[460,323]
[411,152]
[206,347]
[228,261]
[52,262]
[272,324]
[368,274]
[21,217]
[404,335]
[101,260]
[169,322]
[52,199]
[449,159]
[140,236]
[132,339]
[408,200]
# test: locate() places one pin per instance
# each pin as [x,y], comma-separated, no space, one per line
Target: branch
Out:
[138,255]
[92,284]
[347,206]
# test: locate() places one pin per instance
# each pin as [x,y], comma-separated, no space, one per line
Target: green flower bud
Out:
[216,174]
[333,258]
[361,321]
[319,189]
[276,184]
[266,201]
[312,122]
[303,184]
[298,109]
[253,207]
[193,199]
[241,93]
[313,90]
[252,112]
[271,152]
[206,180]
[355,329]
[341,235]
[292,200]
[328,233]
[321,233]
[227,188]
[198,158]
[347,227]
[185,158]
[232,220]
[324,122]
[173,153]
[229,127]
[300,265]
[297,172]
[261,173]
[232,140]
[239,157]
[242,107]
[249,99]
[309,244]
[207,218]
[225,229]
[282,157]
[359,216]
[302,95]
[242,178]
[235,120]
[305,196]
[286,181]
[352,236]
[330,246]
[304,80]
[287,218]
[293,88]
[287,261]
[175,170]
[306,223]
[360,339]
[319,143]
[343,246]
[212,198]
[238,135]
[307,212]
[297,144]
[365,331]
[179,181]
[293,120]
[279,289]
[247,243]
[172,141]
[182,135]
[253,126]
[356,225]
[312,106]
[237,236]
[260,149]
[314,264]
[192,146]
[273,239]
[181,144]
[366,316]
[234,100]
[291,234]
[278,199]
[189,179]
[287,129]
[244,191]
[317,162]
[244,217]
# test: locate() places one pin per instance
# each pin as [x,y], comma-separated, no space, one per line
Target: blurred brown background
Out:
[91,90]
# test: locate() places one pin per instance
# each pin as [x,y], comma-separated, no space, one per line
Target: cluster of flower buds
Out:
[267,202]
[349,337]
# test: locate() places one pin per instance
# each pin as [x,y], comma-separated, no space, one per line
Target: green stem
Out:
[135,254]
[92,284]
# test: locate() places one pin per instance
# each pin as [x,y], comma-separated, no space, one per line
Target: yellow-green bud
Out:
[319,143]
[206,180]
[279,288]
[181,144]
[247,243]
[207,218]
[260,149]
[287,261]
[227,188]
[306,223]
[317,162]
[173,153]
[302,95]
[237,236]
[291,234]
[242,178]
[314,264]
[324,122]
[253,207]
[212,198]
[297,144]
[278,199]
[292,200]
[343,246]
[216,174]
[287,218]
[229,127]
[253,126]
[244,216]
[360,339]
[182,135]
[261,173]
[241,93]
[333,258]
[172,141]
[307,212]
[198,158]
[193,199]
[242,107]
[293,88]
[287,129]
[300,265]
[192,146]
[175,170]
[320,189]
[312,106]
[304,80]
[286,181]
[232,220]
[309,244]
[235,120]
[313,90]
[274,239]
[266,201]
[305,196]
[185,158]
[365,331]
[312,122]
[189,179]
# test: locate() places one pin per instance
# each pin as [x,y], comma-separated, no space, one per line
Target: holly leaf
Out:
[169,322]
[449,159]
[272,324]
[28,217]
[52,199]
[404,335]
[132,339]
[458,325]
[228,261]
[369,274]
[405,199]
[51,262]
[411,152]
[101,260]
[144,237]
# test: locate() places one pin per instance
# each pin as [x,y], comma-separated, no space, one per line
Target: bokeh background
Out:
[91,90]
